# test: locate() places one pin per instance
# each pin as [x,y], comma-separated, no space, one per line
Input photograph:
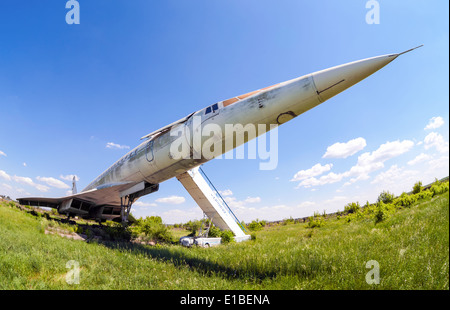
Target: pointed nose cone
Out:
[332,81]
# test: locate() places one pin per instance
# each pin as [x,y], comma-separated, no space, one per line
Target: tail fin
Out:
[74,186]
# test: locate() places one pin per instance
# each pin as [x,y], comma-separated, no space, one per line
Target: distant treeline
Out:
[152,229]
[386,204]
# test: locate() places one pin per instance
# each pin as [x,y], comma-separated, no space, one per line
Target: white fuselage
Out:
[152,161]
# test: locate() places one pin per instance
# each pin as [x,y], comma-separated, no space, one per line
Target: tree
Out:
[417,187]
[386,197]
[352,207]
[153,227]
[193,227]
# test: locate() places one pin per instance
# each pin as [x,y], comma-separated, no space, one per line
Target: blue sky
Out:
[131,67]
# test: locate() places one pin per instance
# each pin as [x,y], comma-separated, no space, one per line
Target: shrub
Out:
[193,227]
[214,232]
[255,225]
[405,200]
[114,231]
[386,197]
[288,221]
[154,228]
[316,221]
[227,236]
[417,188]
[439,188]
[382,212]
[352,207]
[426,194]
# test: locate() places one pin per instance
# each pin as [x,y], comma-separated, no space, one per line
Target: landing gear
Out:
[127,200]
[125,207]
[208,223]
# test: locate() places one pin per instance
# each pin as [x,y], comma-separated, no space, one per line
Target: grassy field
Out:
[411,247]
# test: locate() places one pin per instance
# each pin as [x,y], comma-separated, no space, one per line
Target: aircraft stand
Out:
[211,202]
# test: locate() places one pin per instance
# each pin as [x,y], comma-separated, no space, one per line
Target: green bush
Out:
[439,188]
[424,195]
[405,200]
[214,232]
[315,221]
[193,227]
[255,225]
[382,212]
[114,231]
[417,188]
[386,197]
[290,220]
[352,207]
[154,228]
[227,236]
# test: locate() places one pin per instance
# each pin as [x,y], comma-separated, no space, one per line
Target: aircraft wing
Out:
[104,194]
[103,200]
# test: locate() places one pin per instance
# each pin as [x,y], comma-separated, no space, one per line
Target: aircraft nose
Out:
[332,81]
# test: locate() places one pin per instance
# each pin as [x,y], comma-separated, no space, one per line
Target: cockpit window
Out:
[212,108]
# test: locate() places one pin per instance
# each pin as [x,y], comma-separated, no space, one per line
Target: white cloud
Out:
[7,186]
[180,216]
[435,122]
[252,200]
[316,170]
[69,177]
[144,205]
[226,192]
[344,150]
[4,175]
[173,200]
[336,199]
[434,139]
[306,204]
[439,164]
[397,179]
[112,145]
[326,179]
[367,163]
[22,191]
[23,180]
[41,188]
[29,181]
[232,202]
[24,164]
[2,153]
[8,190]
[386,151]
[53,182]
[393,175]
[419,158]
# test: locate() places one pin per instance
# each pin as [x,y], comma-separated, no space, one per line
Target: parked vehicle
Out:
[200,241]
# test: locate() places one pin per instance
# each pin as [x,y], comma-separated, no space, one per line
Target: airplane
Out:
[140,171]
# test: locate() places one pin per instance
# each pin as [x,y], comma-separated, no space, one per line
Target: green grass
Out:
[411,247]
